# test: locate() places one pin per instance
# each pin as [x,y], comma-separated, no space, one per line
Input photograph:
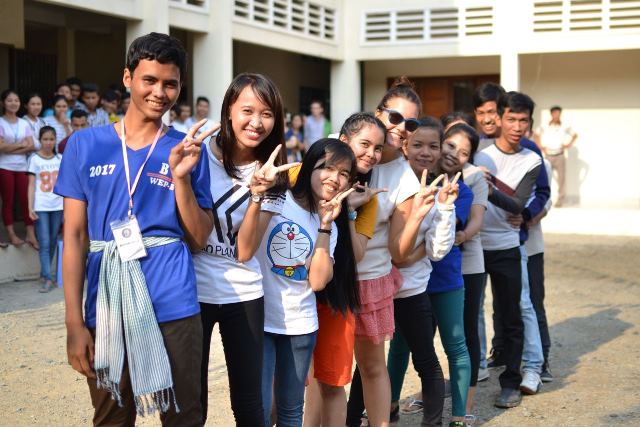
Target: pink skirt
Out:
[375,321]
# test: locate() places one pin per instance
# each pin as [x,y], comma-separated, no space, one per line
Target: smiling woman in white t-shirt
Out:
[247,188]
[296,258]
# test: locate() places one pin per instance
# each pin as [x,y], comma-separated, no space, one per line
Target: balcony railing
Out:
[586,15]
[296,17]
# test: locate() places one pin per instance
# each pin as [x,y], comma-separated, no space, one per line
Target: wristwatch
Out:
[257,197]
[353,215]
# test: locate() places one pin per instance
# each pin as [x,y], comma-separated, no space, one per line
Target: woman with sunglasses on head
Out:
[248,189]
[325,402]
[400,213]
[297,259]
[461,132]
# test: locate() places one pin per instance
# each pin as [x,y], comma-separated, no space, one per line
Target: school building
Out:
[581,54]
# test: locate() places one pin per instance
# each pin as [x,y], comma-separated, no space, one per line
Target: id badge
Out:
[128,237]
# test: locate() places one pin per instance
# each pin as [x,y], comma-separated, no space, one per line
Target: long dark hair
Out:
[268,94]
[469,132]
[341,293]
[353,125]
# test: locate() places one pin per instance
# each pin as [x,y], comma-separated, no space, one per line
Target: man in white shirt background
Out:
[554,139]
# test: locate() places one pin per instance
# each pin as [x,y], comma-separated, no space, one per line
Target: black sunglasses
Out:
[395,118]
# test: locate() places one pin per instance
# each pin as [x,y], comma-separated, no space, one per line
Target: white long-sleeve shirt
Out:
[437,234]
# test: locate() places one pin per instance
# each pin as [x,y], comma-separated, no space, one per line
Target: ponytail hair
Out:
[402,87]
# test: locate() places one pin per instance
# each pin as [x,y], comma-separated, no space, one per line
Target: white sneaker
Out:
[483,374]
[530,383]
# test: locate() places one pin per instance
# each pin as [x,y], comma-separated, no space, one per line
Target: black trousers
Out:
[536,287]
[414,320]
[242,332]
[183,341]
[473,285]
[504,268]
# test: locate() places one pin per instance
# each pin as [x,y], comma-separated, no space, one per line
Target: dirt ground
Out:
[593,305]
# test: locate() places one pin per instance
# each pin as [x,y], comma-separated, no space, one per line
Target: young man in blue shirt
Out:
[137,195]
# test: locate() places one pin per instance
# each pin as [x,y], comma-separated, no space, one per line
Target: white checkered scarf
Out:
[125,320]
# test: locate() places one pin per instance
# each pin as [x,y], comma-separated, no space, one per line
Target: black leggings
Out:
[473,285]
[242,332]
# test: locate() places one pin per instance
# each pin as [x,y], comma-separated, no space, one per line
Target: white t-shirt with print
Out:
[46,173]
[13,133]
[284,255]
[402,183]
[35,129]
[472,255]
[221,279]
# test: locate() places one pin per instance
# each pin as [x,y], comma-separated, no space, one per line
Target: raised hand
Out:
[328,211]
[449,191]
[424,199]
[264,178]
[185,155]
[360,198]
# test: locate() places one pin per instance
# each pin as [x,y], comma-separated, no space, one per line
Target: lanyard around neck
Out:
[130,187]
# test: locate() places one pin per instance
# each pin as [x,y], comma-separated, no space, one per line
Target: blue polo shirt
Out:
[92,171]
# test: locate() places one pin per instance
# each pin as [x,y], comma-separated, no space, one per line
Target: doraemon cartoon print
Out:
[288,248]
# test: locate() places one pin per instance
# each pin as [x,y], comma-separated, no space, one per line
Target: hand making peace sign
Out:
[328,211]
[359,198]
[449,191]
[185,155]
[264,177]
[424,199]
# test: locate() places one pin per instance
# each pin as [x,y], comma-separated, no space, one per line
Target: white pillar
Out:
[155,18]
[510,71]
[345,90]
[212,60]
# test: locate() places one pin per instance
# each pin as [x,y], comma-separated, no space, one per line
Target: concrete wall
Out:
[289,71]
[600,96]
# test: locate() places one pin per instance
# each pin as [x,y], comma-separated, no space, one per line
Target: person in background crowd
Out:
[45,207]
[91,99]
[75,84]
[109,102]
[294,139]
[60,120]
[202,112]
[124,104]
[16,142]
[78,121]
[182,122]
[316,125]
[62,89]
[34,108]
[554,139]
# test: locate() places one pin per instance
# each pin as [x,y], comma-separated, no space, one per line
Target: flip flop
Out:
[415,406]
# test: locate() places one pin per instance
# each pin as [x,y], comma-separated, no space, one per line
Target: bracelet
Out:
[352,215]
[322,230]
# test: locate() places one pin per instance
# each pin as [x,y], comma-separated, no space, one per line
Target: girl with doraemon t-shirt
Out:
[296,259]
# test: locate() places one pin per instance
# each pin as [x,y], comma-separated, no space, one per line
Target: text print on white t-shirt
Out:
[223,249]
[288,247]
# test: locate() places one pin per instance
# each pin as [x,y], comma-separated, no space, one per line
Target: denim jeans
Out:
[285,367]
[47,229]
[532,357]
[482,329]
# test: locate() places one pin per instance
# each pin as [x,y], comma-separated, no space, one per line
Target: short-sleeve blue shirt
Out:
[92,171]
[446,275]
